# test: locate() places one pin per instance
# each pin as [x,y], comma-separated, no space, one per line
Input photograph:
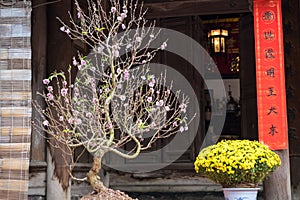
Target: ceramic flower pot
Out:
[240,193]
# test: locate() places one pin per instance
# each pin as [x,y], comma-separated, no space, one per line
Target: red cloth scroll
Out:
[270,76]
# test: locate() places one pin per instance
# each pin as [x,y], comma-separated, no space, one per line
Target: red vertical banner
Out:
[270,76]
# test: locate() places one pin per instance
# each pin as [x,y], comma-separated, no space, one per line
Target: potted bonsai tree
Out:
[114,98]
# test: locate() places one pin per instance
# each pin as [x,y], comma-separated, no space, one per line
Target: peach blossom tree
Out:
[114,98]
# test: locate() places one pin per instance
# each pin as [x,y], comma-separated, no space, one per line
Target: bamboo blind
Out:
[15,98]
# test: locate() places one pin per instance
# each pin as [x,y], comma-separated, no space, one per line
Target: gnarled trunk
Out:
[93,175]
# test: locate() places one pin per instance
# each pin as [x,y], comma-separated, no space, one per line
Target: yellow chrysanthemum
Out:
[232,162]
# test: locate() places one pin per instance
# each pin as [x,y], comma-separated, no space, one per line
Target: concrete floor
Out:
[182,196]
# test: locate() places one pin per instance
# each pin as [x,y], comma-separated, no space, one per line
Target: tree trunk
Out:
[93,175]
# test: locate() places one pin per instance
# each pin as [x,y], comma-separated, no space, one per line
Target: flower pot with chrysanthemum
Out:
[238,165]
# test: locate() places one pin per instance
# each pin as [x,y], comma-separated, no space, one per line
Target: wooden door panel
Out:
[183,144]
[248,78]
[189,26]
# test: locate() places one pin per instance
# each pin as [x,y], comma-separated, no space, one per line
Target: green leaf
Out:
[77,134]
[142,125]
[68,131]
[55,75]
[99,29]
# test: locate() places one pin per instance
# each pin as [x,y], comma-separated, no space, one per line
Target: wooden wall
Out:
[291,28]
[15,98]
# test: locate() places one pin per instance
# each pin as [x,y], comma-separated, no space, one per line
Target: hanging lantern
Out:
[217,40]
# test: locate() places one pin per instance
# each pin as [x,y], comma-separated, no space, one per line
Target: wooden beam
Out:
[277,186]
[59,56]
[195,7]
[39,64]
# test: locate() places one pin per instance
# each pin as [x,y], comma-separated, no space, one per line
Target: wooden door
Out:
[190,26]
[248,78]
[186,142]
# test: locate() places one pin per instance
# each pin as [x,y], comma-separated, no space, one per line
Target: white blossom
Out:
[113,9]
[126,74]
[83,62]
[46,123]
[78,121]
[64,91]
[138,39]
[75,63]
[68,31]
[109,125]
[123,15]
[89,115]
[167,92]
[181,129]
[50,88]
[119,18]
[128,46]
[174,124]
[151,84]
[71,120]
[183,107]
[163,46]
[119,71]
[63,28]
[46,81]
[123,97]
[159,103]
[149,99]
[50,96]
